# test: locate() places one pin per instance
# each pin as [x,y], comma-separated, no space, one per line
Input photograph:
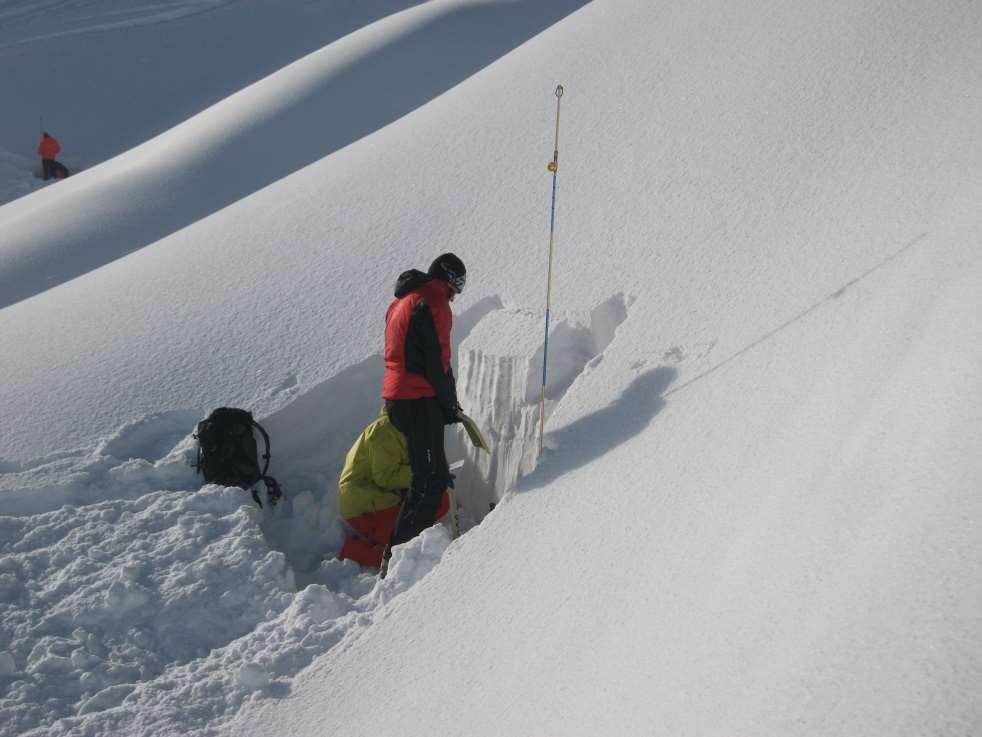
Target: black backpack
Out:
[227,453]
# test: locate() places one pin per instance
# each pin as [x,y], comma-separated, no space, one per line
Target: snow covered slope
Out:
[297,116]
[758,512]
[106,75]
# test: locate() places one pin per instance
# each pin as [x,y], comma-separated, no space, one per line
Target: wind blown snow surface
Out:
[758,508]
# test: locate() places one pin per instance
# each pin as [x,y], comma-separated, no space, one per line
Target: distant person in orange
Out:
[48,149]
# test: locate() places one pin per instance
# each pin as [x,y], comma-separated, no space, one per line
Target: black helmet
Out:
[450,269]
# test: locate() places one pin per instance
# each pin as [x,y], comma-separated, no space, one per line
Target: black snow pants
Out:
[421,421]
[47,169]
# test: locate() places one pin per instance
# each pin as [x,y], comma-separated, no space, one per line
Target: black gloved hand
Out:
[451,415]
[273,491]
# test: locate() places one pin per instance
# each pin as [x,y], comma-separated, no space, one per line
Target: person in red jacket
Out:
[48,149]
[419,389]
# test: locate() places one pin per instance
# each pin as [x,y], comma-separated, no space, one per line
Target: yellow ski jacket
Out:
[376,470]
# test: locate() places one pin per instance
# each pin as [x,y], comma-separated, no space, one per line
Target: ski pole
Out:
[454,514]
[553,166]
[387,549]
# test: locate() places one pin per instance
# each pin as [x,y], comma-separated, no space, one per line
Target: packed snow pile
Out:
[151,453]
[167,612]
[128,590]
[101,598]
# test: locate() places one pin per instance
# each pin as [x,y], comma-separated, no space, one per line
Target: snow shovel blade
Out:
[473,432]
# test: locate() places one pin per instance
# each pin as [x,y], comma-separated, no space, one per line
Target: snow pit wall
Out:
[500,384]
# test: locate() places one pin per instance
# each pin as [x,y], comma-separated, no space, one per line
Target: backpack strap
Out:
[273,491]
[266,439]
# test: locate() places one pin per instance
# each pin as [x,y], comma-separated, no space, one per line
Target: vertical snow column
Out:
[497,383]
[499,380]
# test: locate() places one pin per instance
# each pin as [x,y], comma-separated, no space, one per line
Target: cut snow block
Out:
[500,384]
[497,381]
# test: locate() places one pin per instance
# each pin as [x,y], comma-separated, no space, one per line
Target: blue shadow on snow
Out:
[594,435]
